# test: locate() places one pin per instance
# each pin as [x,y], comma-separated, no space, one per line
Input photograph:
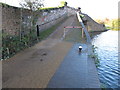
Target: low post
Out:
[64,33]
[38,31]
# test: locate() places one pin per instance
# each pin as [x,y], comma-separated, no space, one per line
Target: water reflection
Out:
[107,43]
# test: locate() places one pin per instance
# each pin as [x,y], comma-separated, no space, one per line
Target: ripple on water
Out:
[107,43]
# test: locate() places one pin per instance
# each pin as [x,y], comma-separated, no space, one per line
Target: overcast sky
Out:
[94,8]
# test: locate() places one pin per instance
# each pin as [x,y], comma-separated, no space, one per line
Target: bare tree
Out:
[32,4]
[34,8]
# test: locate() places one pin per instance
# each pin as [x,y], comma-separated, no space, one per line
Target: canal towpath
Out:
[50,63]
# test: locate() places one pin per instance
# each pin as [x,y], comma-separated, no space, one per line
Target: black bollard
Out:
[38,31]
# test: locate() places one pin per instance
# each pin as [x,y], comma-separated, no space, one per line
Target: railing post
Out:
[82,33]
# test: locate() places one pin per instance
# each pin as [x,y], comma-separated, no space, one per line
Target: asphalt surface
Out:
[76,71]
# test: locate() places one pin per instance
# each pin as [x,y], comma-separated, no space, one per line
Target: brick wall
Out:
[10,20]
[16,20]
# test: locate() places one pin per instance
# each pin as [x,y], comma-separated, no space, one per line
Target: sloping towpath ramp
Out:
[77,70]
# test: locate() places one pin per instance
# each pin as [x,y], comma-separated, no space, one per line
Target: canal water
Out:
[107,50]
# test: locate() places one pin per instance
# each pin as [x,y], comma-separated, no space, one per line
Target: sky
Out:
[97,9]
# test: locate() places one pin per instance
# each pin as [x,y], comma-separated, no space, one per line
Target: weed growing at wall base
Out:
[14,44]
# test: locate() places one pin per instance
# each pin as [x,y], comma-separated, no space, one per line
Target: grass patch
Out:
[45,33]
[108,27]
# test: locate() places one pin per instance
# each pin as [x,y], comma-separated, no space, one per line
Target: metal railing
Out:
[84,28]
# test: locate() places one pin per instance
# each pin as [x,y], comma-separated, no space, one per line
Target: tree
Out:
[63,3]
[34,9]
[113,25]
[33,6]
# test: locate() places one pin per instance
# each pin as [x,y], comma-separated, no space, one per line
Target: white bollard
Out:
[80,48]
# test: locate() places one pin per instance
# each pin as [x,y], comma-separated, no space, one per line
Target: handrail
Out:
[84,28]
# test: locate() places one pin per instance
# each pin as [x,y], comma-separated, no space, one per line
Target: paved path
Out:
[51,63]
[34,67]
[76,71]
